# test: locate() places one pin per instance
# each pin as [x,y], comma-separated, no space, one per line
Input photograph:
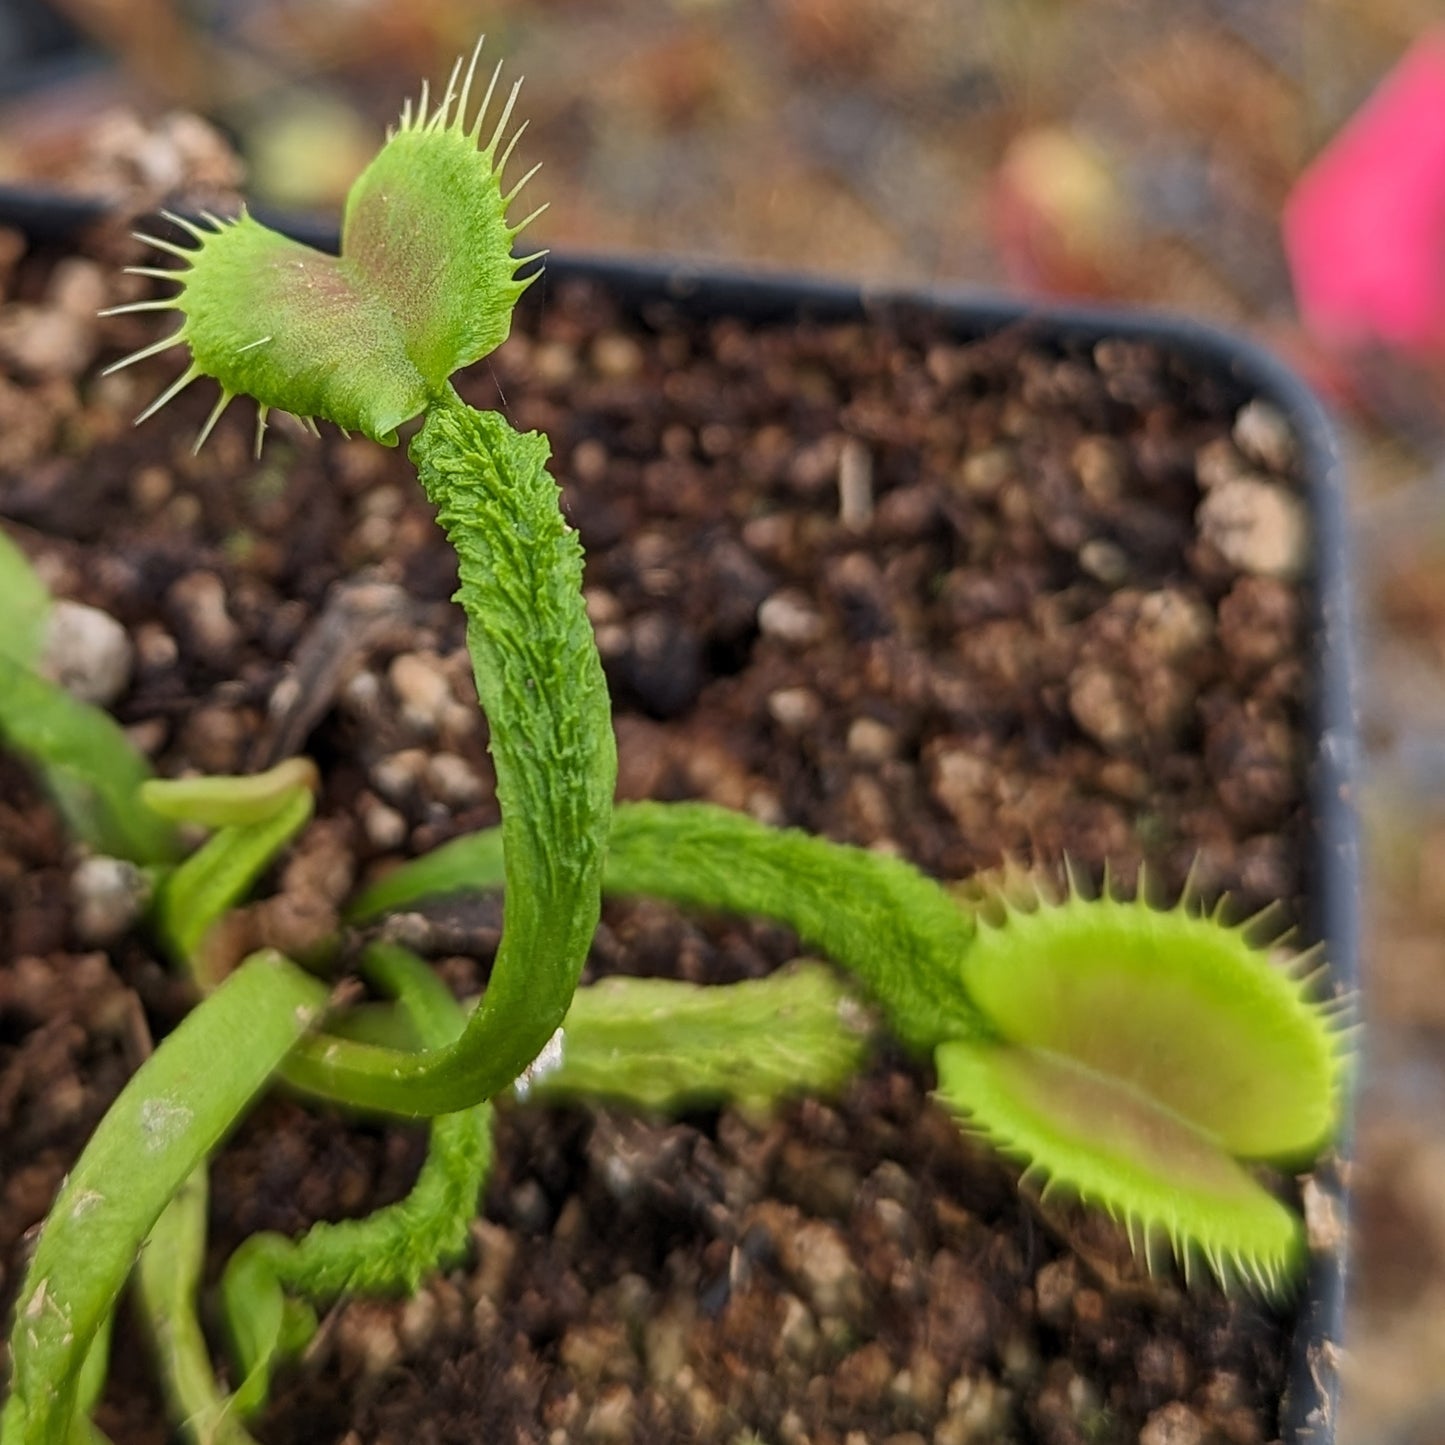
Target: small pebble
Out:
[87,652]
[367,1335]
[214,738]
[589,461]
[1054,1288]
[199,602]
[108,894]
[1257,527]
[1263,433]
[1101,705]
[78,286]
[815,1255]
[613,1418]
[602,607]
[1174,1424]
[1218,461]
[871,741]
[44,341]
[982,474]
[1172,624]
[798,1334]
[790,617]
[421,688]
[1101,466]
[155,648]
[151,488]
[396,775]
[855,485]
[554,362]
[616,357]
[978,1412]
[418,1319]
[862,1378]
[385,828]
[454,780]
[795,709]
[1104,561]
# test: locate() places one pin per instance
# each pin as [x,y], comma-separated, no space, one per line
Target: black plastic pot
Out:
[1308,1411]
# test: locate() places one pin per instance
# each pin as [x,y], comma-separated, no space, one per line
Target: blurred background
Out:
[1219,157]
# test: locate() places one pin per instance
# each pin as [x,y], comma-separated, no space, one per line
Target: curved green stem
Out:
[389,1251]
[540,682]
[889,925]
[167,1119]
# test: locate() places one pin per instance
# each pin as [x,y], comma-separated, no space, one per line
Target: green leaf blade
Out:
[24,606]
[663,1046]
[87,764]
[1114,1147]
[425,225]
[298,330]
[167,1119]
[1177,1006]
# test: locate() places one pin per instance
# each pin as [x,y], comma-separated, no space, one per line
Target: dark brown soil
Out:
[950,601]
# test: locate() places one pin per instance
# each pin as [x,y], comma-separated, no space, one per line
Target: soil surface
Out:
[953,601]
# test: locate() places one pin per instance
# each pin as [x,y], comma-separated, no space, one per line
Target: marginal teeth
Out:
[444,109]
[222,402]
[154,349]
[461,118]
[511,146]
[133,306]
[175,389]
[476,129]
[522,225]
[512,194]
[186,253]
[504,117]
[190,227]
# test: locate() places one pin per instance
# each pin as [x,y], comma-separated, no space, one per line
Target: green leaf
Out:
[168,1281]
[1110,1144]
[425,224]
[167,1119]
[425,283]
[664,1046]
[220,873]
[1174,1005]
[88,766]
[1139,1055]
[24,606]
[470,863]
[296,329]
[220,802]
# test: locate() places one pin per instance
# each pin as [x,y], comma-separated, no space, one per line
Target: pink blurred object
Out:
[1365,225]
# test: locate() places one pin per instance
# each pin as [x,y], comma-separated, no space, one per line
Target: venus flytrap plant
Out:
[1140,1058]
[1136,1057]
